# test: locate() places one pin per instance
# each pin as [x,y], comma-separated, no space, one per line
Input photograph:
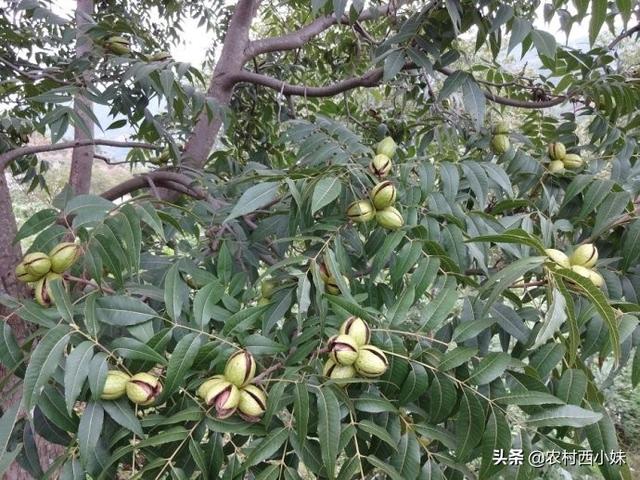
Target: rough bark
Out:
[10,255]
[82,158]
[232,58]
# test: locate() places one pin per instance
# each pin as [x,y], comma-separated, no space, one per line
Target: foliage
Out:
[490,345]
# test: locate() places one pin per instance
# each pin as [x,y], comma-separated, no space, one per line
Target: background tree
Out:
[490,344]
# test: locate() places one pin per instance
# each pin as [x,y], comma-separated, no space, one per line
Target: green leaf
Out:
[416,383]
[544,42]
[175,434]
[44,361]
[553,319]
[98,369]
[379,432]
[61,299]
[625,8]
[180,363]
[391,472]
[148,215]
[407,459]
[7,423]
[89,431]
[121,412]
[328,428]
[530,397]
[544,360]
[598,17]
[635,369]
[36,223]
[205,301]
[75,372]
[198,455]
[325,192]
[467,330]
[301,411]
[10,354]
[474,101]
[442,398]
[32,312]
[469,425]
[612,206]
[452,83]
[393,63]
[385,252]
[572,322]
[519,30]
[594,196]
[602,437]
[512,236]
[398,311]
[490,367]
[246,318]
[431,471]
[72,470]
[497,436]
[266,447]
[630,241]
[370,403]
[90,316]
[254,198]
[350,468]
[439,308]
[352,308]
[135,349]
[339,7]
[564,416]
[176,292]
[572,386]
[133,235]
[478,181]
[599,301]
[456,357]
[440,434]
[122,311]
[87,209]
[8,458]
[506,277]
[450,180]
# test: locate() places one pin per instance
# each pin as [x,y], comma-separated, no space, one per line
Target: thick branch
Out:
[170,180]
[299,38]
[232,58]
[11,155]
[369,79]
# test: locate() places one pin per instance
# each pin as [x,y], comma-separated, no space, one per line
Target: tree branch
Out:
[299,38]
[170,180]
[11,155]
[370,79]
[510,101]
[623,35]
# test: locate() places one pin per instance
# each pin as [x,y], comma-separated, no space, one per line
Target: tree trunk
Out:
[232,59]
[10,255]
[82,158]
